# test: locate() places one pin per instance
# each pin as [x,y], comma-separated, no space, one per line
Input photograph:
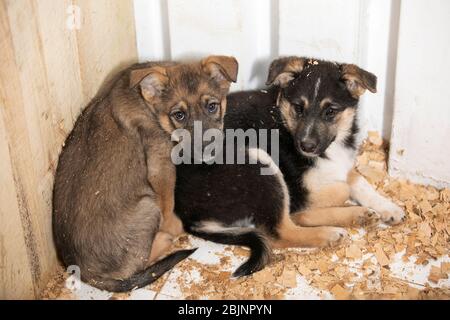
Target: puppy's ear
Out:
[284,70]
[152,81]
[222,68]
[358,80]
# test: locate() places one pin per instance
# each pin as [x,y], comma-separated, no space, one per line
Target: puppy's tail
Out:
[241,236]
[146,276]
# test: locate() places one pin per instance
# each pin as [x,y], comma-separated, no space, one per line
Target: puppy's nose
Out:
[308,145]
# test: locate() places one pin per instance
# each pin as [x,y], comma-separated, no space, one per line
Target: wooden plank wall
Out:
[48,73]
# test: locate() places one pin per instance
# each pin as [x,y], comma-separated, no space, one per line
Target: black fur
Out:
[230,193]
[147,276]
[237,191]
[240,193]
[251,238]
[257,109]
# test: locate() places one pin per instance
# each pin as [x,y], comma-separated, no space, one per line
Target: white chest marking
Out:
[333,169]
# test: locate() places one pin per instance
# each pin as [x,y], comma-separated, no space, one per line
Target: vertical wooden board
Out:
[307,29]
[106,41]
[48,74]
[22,95]
[33,82]
[15,277]
[59,47]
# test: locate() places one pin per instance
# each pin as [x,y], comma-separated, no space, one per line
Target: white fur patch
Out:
[363,192]
[340,158]
[260,155]
[263,157]
[333,169]
[217,227]
[244,223]
[316,89]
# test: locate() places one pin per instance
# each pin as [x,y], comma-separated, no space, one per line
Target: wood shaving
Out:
[436,274]
[360,269]
[340,293]
[353,252]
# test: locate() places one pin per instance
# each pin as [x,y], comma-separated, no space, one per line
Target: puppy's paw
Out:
[173,226]
[163,240]
[392,214]
[367,217]
[332,236]
[161,243]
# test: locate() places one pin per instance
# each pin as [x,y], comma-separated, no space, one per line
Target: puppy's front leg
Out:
[363,192]
[162,175]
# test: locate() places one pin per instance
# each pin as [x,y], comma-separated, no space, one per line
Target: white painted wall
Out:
[256,31]
[364,32]
[420,149]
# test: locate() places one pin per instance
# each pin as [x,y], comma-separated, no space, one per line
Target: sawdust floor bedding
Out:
[408,261]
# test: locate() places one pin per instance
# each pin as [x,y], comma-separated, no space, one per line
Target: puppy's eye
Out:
[178,115]
[299,108]
[212,107]
[331,112]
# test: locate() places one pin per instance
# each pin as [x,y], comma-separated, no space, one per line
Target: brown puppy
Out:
[115,180]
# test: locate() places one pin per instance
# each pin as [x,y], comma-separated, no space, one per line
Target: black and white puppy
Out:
[313,104]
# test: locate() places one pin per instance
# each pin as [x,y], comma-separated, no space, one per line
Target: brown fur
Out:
[336,216]
[358,80]
[292,235]
[115,180]
[334,195]
[161,244]
[284,70]
[353,175]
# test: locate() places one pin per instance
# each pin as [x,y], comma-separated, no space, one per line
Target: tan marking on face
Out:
[344,123]
[166,123]
[206,91]
[223,108]
[305,101]
[325,102]
[207,98]
[288,114]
